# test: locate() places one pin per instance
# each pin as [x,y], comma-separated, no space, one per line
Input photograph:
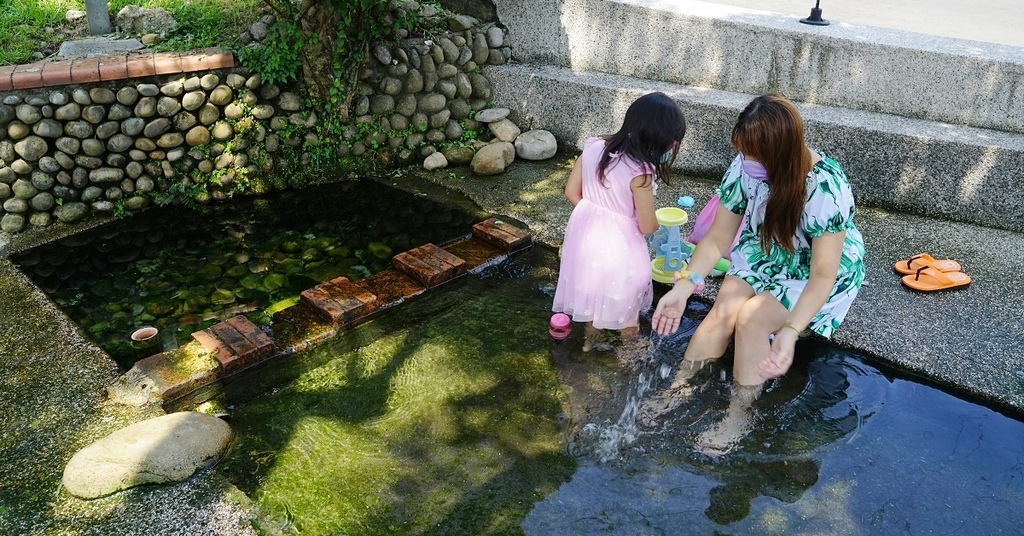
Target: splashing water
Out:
[645,357]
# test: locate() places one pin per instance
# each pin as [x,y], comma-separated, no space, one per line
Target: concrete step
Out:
[746,51]
[901,164]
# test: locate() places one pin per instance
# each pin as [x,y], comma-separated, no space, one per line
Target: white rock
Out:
[169,448]
[491,115]
[536,145]
[504,130]
[435,161]
[493,158]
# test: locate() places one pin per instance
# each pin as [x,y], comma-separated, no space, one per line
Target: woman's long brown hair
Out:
[771,131]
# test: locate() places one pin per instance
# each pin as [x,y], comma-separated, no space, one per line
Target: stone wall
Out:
[119,143]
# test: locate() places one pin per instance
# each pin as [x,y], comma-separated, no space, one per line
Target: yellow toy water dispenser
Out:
[670,252]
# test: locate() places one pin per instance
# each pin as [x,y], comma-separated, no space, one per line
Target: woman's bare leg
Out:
[713,334]
[708,343]
[759,317]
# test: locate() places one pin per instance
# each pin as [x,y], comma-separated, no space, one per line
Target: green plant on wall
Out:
[331,37]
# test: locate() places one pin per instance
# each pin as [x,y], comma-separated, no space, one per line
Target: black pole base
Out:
[815,18]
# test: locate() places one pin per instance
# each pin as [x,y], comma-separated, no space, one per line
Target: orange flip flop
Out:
[931,280]
[924,260]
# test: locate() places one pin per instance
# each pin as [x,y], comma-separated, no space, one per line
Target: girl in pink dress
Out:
[605,273]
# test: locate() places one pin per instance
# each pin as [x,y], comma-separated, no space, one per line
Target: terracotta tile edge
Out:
[5,77]
[27,76]
[56,73]
[85,70]
[139,64]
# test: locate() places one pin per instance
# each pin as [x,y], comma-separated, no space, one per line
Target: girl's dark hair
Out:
[771,131]
[653,124]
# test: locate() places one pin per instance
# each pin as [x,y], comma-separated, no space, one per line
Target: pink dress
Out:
[605,272]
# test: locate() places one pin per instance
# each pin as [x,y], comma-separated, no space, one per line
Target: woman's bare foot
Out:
[721,438]
[670,398]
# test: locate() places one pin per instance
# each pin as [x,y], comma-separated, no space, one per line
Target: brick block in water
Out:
[339,301]
[502,234]
[236,343]
[429,264]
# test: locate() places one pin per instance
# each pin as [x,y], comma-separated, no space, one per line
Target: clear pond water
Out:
[183,270]
[456,414]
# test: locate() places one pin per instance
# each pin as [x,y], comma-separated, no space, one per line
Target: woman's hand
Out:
[780,357]
[670,309]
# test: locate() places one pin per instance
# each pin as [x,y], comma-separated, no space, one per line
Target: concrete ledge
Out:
[715,46]
[905,165]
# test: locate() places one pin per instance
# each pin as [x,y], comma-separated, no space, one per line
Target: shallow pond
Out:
[456,414]
[184,270]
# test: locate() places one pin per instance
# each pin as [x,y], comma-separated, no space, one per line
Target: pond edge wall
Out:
[116,134]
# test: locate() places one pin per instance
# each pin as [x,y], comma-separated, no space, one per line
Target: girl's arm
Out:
[574,185]
[826,251]
[643,201]
[709,250]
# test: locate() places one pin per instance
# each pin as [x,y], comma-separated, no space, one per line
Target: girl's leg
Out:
[590,336]
[759,317]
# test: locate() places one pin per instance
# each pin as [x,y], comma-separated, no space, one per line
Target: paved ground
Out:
[991,21]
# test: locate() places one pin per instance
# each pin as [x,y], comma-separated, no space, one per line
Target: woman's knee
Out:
[761,314]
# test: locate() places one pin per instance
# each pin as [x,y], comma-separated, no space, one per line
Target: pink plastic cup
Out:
[559,326]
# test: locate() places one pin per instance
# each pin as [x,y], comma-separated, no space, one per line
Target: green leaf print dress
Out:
[829,208]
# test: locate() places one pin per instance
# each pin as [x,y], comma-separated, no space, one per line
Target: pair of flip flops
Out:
[924,273]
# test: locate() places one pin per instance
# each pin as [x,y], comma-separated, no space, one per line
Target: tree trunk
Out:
[318,55]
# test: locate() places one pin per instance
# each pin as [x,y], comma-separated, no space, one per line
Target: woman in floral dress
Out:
[797,267]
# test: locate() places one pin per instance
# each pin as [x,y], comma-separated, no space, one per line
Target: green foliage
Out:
[206,24]
[24,23]
[279,58]
[361,23]
[120,212]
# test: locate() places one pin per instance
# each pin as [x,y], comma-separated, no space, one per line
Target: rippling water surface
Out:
[457,414]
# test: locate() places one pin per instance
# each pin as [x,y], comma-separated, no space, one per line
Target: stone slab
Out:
[166,380]
[97,46]
[897,163]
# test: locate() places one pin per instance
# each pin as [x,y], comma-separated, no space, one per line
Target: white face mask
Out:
[665,157]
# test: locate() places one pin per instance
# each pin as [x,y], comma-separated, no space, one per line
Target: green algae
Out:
[442,418]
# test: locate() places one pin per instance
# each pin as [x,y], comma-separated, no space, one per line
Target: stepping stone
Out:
[236,343]
[501,234]
[339,301]
[429,264]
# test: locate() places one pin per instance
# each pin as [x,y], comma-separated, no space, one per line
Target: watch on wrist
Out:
[696,279]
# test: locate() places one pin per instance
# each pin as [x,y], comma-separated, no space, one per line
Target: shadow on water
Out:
[456,414]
